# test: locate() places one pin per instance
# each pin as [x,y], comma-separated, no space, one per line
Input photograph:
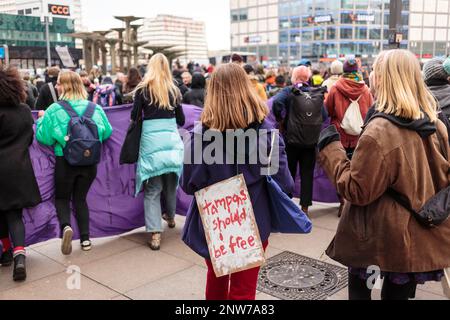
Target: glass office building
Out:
[322,30]
[25,37]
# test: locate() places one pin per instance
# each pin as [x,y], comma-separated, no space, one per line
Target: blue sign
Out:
[2,52]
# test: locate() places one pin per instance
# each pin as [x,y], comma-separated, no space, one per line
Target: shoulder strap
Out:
[400,200]
[90,110]
[68,108]
[52,92]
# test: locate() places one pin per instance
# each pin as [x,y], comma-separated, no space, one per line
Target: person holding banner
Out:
[232,104]
[18,186]
[72,182]
[160,161]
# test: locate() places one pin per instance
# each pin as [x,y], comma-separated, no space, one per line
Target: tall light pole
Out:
[395,22]
[47,20]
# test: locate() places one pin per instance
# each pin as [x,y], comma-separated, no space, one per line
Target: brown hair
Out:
[133,80]
[231,101]
[53,72]
[12,88]
[72,87]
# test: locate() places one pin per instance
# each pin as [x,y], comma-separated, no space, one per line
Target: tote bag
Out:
[130,148]
[353,122]
[286,216]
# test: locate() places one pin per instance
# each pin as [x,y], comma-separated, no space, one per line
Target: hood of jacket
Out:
[424,127]
[442,94]
[351,89]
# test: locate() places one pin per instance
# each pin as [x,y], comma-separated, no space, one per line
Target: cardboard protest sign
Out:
[230,227]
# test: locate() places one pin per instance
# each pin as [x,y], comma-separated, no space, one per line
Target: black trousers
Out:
[358,290]
[73,184]
[11,224]
[306,158]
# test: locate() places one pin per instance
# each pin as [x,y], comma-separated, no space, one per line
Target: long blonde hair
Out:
[71,86]
[231,100]
[401,90]
[159,84]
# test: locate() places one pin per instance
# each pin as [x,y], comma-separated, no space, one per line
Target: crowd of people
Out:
[382,139]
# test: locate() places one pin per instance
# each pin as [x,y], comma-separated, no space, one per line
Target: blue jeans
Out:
[153,188]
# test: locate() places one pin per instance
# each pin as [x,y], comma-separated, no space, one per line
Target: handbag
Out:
[129,153]
[286,216]
[437,210]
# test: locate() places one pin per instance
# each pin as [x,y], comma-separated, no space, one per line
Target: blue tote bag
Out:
[286,216]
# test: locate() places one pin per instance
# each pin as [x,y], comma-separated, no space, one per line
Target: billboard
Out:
[59,10]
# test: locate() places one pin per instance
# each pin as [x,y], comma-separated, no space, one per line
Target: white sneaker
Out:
[66,243]
[86,245]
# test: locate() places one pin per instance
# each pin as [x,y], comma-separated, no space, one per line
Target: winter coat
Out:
[405,156]
[198,176]
[45,99]
[18,186]
[161,151]
[52,128]
[259,88]
[161,148]
[338,101]
[441,91]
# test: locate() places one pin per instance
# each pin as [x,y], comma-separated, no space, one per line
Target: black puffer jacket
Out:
[45,98]
[196,96]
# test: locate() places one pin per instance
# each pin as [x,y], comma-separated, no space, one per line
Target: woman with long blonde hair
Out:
[72,183]
[231,104]
[158,101]
[401,162]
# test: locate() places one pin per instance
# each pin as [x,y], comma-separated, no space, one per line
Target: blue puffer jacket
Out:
[162,151]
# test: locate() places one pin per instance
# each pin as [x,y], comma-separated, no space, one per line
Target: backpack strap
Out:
[68,108]
[53,92]
[90,110]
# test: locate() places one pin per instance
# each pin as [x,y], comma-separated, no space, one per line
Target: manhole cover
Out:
[289,276]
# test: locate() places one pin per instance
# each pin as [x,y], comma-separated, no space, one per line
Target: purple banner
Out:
[113,208]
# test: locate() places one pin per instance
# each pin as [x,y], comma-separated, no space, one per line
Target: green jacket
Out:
[52,128]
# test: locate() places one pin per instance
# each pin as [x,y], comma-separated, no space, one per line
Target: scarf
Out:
[355,76]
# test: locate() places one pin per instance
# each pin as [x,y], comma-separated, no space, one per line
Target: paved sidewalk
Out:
[122,268]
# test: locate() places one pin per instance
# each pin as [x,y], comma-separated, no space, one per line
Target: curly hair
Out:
[12,88]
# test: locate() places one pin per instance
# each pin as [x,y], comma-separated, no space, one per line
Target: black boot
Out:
[20,272]
[6,259]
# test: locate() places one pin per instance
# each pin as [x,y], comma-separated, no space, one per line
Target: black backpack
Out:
[83,146]
[305,117]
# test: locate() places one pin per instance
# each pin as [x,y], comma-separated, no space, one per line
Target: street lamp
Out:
[47,20]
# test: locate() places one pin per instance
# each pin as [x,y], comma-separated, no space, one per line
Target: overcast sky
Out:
[98,15]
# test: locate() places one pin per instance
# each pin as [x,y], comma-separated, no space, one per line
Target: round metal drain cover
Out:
[295,276]
[290,276]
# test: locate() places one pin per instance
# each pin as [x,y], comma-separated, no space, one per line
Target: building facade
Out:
[321,30]
[184,34]
[37,8]
[26,41]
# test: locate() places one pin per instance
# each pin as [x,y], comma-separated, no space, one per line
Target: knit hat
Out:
[305,62]
[447,66]
[351,65]
[337,68]
[434,70]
